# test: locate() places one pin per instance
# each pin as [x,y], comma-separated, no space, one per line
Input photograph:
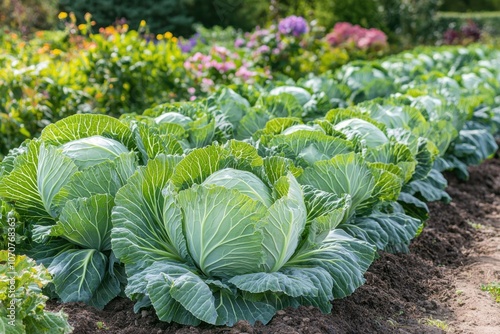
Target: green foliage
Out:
[105,12]
[469,6]
[406,22]
[222,233]
[410,22]
[22,301]
[493,289]
[69,179]
[177,16]
[59,74]
[488,21]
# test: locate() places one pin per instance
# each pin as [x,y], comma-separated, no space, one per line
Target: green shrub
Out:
[28,15]
[487,21]
[177,16]
[472,6]
[410,22]
[407,22]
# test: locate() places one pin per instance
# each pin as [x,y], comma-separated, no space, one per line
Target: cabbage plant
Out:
[63,186]
[223,235]
[372,173]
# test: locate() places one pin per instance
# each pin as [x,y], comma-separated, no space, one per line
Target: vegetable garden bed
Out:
[240,206]
[404,293]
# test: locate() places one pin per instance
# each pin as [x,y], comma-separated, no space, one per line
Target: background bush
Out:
[176,16]
[28,15]
[487,21]
[470,5]
[404,21]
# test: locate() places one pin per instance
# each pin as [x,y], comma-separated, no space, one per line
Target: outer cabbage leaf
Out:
[343,174]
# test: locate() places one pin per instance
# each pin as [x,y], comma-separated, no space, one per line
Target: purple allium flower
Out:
[293,25]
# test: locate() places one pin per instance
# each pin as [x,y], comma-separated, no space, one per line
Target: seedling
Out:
[493,289]
[101,325]
[475,226]
[443,325]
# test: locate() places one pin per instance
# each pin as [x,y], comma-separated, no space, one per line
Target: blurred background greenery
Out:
[402,20]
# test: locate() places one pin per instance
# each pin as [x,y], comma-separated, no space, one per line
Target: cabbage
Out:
[224,235]
[173,117]
[93,150]
[358,128]
[64,185]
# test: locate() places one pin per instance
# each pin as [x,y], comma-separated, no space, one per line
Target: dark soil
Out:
[402,291]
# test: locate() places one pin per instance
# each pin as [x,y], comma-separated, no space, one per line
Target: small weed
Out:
[437,323]
[493,289]
[476,226]
[101,325]
[459,292]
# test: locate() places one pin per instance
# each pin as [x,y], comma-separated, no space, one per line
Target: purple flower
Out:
[293,25]
[187,46]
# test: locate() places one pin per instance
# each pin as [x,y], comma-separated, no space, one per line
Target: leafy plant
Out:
[224,235]
[68,181]
[493,289]
[22,302]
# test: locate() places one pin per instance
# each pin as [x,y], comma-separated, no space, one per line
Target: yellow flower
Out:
[56,52]
[159,37]
[125,27]
[143,23]
[168,35]
[82,26]
[62,15]
[110,30]
[174,39]
[87,17]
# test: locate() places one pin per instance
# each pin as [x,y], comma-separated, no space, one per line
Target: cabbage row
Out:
[242,204]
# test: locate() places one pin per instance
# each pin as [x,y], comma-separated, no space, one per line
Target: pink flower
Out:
[244,73]
[263,49]
[346,34]
[207,82]
[239,42]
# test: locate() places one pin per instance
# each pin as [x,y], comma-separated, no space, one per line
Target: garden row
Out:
[253,199]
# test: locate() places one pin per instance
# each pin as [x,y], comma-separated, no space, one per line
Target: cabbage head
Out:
[63,186]
[224,235]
